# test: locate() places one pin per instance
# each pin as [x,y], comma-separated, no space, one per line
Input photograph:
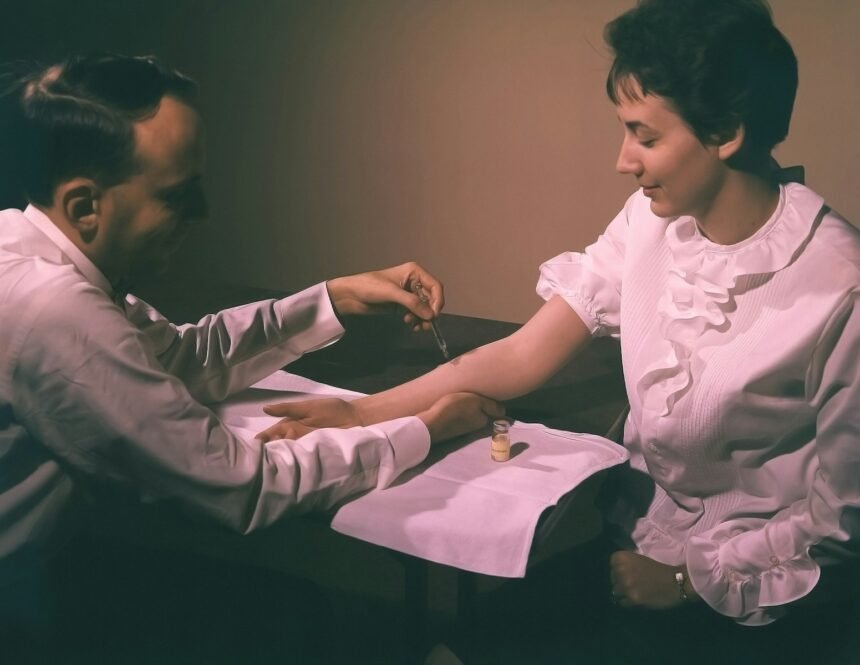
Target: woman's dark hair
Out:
[76,118]
[720,63]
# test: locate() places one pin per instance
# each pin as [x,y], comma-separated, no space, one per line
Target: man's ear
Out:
[731,144]
[80,201]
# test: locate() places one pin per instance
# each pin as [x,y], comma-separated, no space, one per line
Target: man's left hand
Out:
[375,292]
[638,581]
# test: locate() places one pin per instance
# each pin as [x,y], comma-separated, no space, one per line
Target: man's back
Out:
[36,493]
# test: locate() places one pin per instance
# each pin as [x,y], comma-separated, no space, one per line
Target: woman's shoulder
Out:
[834,240]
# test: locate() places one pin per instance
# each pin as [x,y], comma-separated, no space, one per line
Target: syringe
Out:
[419,291]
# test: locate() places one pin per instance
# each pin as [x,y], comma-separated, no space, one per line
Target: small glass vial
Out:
[500,446]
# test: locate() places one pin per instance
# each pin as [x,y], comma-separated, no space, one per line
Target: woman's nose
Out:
[627,163]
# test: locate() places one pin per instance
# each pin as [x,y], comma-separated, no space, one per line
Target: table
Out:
[586,396]
[375,354]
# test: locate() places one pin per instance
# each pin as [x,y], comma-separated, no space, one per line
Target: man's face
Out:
[677,172]
[149,214]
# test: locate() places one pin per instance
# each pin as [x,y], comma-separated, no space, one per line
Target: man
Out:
[96,387]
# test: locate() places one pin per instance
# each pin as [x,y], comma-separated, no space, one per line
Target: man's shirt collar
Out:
[87,268]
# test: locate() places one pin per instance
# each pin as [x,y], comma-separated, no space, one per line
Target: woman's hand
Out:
[638,581]
[376,291]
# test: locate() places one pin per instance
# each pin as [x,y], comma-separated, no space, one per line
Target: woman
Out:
[735,298]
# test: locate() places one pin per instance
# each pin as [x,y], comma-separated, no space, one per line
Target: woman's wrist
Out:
[686,591]
[681,582]
[362,411]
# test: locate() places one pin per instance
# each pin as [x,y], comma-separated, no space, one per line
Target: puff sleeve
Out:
[590,281]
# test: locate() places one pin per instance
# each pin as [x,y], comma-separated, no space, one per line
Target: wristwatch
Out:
[681,580]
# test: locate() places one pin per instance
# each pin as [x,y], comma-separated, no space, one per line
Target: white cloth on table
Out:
[742,366]
[94,387]
[459,507]
[468,511]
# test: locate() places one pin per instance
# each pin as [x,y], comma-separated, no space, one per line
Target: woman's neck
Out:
[741,207]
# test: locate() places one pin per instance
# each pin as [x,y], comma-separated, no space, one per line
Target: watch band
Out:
[681,580]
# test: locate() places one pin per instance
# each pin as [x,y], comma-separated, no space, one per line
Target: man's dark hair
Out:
[76,118]
[720,63]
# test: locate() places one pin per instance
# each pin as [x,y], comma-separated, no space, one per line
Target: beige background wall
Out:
[473,136]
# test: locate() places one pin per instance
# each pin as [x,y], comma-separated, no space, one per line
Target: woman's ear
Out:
[80,201]
[731,144]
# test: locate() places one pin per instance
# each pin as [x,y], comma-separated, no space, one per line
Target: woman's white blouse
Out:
[741,364]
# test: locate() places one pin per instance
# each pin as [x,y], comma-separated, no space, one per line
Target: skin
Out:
[682,175]
[129,231]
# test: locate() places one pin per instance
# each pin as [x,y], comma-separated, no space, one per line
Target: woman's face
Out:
[680,174]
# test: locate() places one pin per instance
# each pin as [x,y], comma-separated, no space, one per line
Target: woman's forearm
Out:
[501,370]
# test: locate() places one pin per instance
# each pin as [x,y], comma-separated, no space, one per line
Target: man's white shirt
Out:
[95,390]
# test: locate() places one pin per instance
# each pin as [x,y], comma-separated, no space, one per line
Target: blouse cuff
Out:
[410,442]
[584,309]
[568,276]
[744,579]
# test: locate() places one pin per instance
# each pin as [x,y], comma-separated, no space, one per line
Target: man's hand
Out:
[459,413]
[450,416]
[299,418]
[374,292]
[638,581]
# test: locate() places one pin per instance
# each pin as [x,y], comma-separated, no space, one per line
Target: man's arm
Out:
[103,404]
[235,348]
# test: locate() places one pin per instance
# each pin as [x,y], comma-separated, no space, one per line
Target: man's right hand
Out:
[450,416]
[459,413]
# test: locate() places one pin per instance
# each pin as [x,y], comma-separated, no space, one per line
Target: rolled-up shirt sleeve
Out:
[590,281]
[751,572]
[91,389]
[233,349]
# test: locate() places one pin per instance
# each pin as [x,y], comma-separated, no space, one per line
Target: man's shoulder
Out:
[39,296]
[831,246]
[28,278]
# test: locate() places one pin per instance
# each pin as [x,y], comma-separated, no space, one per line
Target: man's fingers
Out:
[298,410]
[416,324]
[286,429]
[285,409]
[411,302]
[433,287]
[410,274]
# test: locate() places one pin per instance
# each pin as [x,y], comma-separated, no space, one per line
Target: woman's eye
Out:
[647,143]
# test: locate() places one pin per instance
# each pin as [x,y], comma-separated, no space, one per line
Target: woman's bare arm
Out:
[501,370]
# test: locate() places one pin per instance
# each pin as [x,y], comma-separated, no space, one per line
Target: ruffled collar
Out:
[702,283]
